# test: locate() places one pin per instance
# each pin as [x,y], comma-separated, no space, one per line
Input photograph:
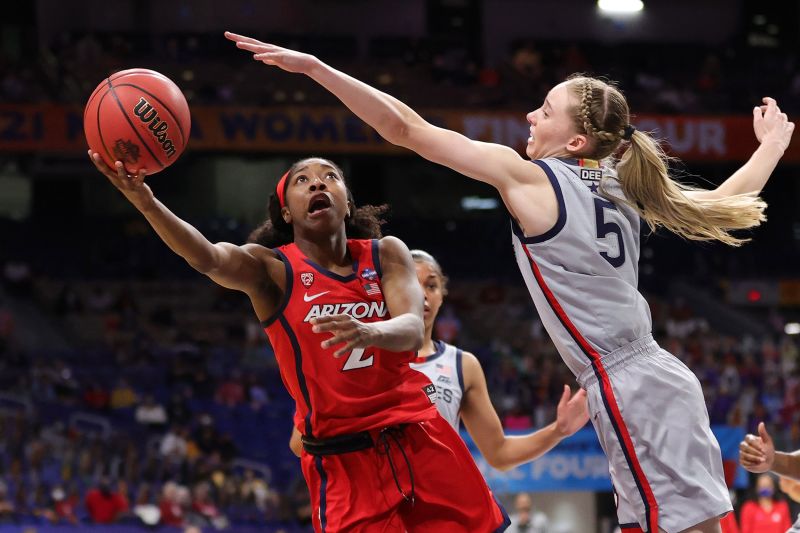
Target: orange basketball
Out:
[139,117]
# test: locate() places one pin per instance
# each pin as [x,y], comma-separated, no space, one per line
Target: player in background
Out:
[575,230]
[462,393]
[343,311]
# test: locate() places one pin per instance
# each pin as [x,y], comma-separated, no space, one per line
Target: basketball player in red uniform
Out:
[343,311]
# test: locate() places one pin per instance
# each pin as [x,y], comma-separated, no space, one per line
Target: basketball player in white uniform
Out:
[575,234]
[462,393]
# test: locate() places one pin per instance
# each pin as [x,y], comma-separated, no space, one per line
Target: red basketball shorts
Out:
[417,478]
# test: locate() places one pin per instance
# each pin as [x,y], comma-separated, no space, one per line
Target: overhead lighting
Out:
[792,328]
[620,7]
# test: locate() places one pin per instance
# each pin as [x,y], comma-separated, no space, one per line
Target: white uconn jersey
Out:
[443,368]
[582,273]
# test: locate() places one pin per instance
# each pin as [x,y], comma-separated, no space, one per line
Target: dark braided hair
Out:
[364,223]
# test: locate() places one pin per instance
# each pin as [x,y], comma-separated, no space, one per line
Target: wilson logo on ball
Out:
[144,110]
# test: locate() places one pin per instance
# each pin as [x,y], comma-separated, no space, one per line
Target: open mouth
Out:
[319,203]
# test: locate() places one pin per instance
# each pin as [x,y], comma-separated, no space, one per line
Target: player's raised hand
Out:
[757,453]
[345,329]
[270,54]
[132,186]
[771,125]
[572,412]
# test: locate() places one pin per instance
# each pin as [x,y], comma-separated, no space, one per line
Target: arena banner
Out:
[579,464]
[52,128]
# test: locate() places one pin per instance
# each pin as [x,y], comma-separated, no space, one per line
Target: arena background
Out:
[103,330]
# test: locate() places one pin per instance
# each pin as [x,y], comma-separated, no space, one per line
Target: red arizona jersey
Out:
[366,389]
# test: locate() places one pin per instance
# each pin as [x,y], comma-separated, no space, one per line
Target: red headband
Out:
[281,190]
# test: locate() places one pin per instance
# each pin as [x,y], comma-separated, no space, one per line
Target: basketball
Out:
[139,117]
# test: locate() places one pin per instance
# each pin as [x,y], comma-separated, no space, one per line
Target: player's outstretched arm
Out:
[757,454]
[505,452]
[774,132]
[495,164]
[229,265]
[404,331]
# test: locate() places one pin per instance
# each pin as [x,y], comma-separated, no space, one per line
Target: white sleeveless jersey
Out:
[443,368]
[582,274]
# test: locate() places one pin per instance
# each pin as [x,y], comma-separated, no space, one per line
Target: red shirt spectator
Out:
[765,515]
[104,506]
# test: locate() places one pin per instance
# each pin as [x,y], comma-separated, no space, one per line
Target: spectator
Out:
[104,505]
[231,391]
[122,395]
[204,506]
[151,414]
[525,519]
[765,514]
[7,510]
[173,445]
[169,505]
[96,397]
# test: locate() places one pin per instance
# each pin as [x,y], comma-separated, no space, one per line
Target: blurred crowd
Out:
[686,79]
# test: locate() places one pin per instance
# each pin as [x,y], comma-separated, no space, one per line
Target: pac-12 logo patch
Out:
[369,274]
[430,390]
[307,279]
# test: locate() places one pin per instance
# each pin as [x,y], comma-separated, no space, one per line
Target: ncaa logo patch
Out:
[307,279]
[369,274]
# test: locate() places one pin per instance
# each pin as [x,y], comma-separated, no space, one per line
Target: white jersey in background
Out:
[443,368]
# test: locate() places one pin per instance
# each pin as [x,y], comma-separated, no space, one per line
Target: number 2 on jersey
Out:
[604,228]
[354,361]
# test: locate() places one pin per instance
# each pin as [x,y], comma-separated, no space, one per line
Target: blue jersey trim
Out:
[323,488]
[459,370]
[333,275]
[298,368]
[562,211]
[376,257]
[287,292]
[440,347]
[506,520]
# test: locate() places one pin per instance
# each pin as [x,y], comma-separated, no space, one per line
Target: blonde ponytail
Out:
[661,201]
[643,172]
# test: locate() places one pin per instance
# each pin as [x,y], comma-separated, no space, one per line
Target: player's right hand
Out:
[132,186]
[757,453]
[270,54]
[772,126]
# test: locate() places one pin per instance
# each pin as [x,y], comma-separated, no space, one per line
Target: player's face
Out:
[432,288]
[316,196]
[551,126]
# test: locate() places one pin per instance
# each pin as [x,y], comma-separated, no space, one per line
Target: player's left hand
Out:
[572,412]
[346,329]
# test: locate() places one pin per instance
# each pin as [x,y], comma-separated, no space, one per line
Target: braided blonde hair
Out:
[643,172]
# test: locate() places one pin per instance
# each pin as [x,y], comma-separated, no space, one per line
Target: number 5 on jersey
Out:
[605,227]
[354,361]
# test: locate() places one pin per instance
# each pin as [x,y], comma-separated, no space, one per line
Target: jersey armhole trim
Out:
[287,293]
[562,210]
[376,257]
[459,369]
